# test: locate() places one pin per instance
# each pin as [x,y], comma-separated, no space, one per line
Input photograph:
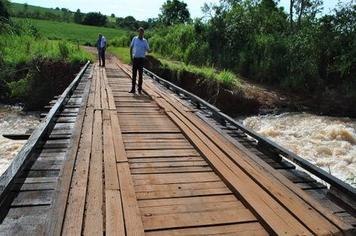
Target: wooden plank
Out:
[149,179]
[164,159]
[93,218]
[111,178]
[182,190]
[168,164]
[114,221]
[120,152]
[132,215]
[162,153]
[193,219]
[182,169]
[245,229]
[73,222]
[191,201]
[33,198]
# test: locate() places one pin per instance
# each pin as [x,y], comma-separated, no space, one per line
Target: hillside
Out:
[18,9]
[84,34]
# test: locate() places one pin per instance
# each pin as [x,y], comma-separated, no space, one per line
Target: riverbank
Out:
[34,69]
[249,98]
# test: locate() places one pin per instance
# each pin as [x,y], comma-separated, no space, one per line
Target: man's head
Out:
[100,35]
[141,32]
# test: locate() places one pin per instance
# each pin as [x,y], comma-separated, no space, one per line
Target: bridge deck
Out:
[148,165]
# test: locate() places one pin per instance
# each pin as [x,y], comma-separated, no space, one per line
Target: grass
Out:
[18,7]
[227,78]
[82,34]
[123,53]
[23,49]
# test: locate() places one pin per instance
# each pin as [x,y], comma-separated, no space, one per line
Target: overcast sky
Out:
[140,9]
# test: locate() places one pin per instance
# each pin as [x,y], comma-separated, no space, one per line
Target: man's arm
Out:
[148,47]
[131,53]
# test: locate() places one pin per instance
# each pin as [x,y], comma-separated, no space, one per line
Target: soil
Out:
[47,78]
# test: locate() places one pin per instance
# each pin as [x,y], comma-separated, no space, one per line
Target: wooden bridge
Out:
[106,162]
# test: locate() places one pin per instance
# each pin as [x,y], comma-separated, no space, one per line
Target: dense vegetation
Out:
[32,68]
[260,41]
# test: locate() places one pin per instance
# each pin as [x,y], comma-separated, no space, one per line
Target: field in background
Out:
[19,7]
[85,35]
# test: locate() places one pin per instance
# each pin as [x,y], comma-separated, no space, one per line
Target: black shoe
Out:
[140,91]
[132,91]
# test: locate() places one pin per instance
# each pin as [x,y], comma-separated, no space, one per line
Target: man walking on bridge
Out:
[101,45]
[138,48]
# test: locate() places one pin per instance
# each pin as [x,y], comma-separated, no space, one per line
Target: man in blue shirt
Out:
[138,48]
[101,45]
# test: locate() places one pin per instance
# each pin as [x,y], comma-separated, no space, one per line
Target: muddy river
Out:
[327,142]
[13,121]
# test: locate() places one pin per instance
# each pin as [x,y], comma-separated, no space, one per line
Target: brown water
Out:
[328,142]
[13,121]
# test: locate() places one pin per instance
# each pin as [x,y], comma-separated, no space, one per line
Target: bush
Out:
[123,41]
[95,18]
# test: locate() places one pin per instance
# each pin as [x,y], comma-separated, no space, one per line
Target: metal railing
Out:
[272,146]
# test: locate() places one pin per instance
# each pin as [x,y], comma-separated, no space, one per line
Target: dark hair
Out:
[141,29]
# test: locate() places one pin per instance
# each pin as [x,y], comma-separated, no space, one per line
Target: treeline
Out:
[298,49]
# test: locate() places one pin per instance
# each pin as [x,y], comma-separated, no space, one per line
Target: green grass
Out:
[17,50]
[18,7]
[122,53]
[226,78]
[73,32]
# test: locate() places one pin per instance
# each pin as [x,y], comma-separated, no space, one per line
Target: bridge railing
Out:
[272,146]
[35,140]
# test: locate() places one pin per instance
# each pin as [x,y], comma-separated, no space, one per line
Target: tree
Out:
[174,12]
[25,7]
[128,22]
[78,17]
[4,12]
[305,8]
[95,18]
[112,15]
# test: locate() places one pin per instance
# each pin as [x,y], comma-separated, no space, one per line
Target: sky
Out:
[140,9]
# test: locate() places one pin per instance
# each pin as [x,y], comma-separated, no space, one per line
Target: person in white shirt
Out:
[138,49]
[101,45]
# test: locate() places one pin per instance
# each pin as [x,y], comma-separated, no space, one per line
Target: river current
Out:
[327,142]
[13,121]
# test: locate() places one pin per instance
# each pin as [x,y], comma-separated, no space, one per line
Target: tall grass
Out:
[22,49]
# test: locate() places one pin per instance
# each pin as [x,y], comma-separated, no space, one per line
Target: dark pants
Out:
[101,52]
[137,66]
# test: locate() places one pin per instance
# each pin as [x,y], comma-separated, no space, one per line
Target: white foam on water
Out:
[13,121]
[328,142]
